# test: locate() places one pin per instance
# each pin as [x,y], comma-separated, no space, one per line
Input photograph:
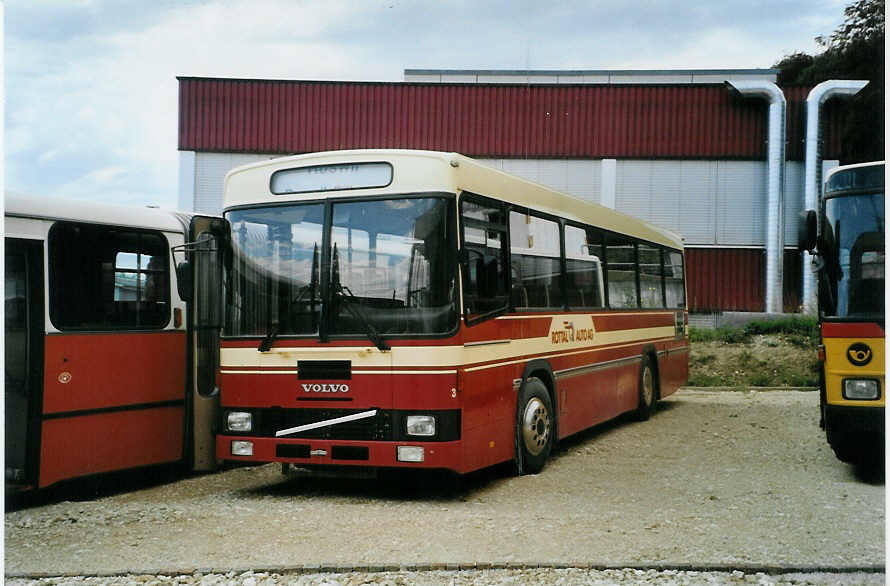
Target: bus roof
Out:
[74,210]
[850,179]
[842,168]
[416,171]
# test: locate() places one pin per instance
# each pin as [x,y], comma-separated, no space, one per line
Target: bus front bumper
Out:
[854,420]
[312,452]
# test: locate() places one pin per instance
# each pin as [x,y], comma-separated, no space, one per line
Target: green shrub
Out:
[761,379]
[804,329]
[805,326]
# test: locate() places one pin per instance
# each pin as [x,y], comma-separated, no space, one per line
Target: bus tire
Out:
[534,426]
[648,390]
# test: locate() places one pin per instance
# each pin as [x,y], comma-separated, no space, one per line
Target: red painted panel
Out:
[585,121]
[725,279]
[852,330]
[92,371]
[673,369]
[484,390]
[632,321]
[78,446]
[412,391]
[445,455]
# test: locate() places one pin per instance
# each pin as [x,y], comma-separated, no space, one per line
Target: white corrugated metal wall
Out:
[710,203]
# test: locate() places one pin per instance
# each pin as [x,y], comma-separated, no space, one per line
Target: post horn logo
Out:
[859,354]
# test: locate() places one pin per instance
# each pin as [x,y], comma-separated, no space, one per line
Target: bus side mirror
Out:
[806,231]
[184,280]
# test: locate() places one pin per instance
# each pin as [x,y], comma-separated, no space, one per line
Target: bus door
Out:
[199,272]
[24,358]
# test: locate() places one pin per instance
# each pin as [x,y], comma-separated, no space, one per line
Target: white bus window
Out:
[622,272]
[651,285]
[535,262]
[485,235]
[675,291]
[584,267]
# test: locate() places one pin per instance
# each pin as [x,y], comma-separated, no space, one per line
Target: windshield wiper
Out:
[352,303]
[266,343]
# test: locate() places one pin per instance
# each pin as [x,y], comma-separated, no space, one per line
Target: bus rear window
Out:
[108,278]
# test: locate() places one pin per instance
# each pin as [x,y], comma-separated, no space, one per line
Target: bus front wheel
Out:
[534,426]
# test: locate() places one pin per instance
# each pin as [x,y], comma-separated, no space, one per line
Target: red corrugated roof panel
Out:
[582,121]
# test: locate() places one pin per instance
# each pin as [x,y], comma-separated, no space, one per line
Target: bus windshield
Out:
[853,233]
[356,267]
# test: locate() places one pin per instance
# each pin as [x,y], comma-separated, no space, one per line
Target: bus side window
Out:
[535,259]
[485,245]
[675,289]
[621,260]
[108,278]
[584,267]
[651,282]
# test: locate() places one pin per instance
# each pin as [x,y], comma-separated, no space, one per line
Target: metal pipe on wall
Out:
[775,208]
[812,185]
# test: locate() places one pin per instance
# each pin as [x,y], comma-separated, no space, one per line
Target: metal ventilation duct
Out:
[775,208]
[813,163]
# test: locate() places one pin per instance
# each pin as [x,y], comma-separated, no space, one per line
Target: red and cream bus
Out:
[102,348]
[391,308]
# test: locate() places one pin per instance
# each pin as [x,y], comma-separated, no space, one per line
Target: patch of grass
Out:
[704,379]
[804,330]
[704,359]
[804,325]
[761,354]
[760,379]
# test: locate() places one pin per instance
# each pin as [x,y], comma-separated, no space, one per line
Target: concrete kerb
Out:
[769,569]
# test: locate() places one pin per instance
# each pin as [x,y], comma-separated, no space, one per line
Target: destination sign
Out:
[331,178]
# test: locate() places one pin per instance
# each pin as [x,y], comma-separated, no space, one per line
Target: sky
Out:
[91,92]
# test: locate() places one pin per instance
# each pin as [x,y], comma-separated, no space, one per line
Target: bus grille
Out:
[376,428]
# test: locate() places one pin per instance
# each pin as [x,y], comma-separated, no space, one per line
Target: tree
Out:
[855,50]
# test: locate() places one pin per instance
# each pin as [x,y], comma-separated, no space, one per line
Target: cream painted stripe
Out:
[568,315]
[293,372]
[435,356]
[562,355]
[404,372]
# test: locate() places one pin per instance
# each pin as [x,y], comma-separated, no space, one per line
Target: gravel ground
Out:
[626,577]
[715,481]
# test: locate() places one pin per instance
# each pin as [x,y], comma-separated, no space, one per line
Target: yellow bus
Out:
[849,245]
[394,308]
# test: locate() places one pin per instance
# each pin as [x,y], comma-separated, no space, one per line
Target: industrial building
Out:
[683,149]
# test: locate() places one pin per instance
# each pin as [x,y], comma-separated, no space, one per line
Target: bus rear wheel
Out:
[534,426]
[648,390]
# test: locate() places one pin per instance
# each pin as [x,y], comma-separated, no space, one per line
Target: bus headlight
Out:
[409,454]
[420,425]
[861,389]
[239,421]
[240,448]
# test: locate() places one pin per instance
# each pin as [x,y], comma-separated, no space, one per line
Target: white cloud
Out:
[92,95]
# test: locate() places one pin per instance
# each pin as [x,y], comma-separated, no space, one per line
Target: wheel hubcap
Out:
[648,387]
[535,426]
